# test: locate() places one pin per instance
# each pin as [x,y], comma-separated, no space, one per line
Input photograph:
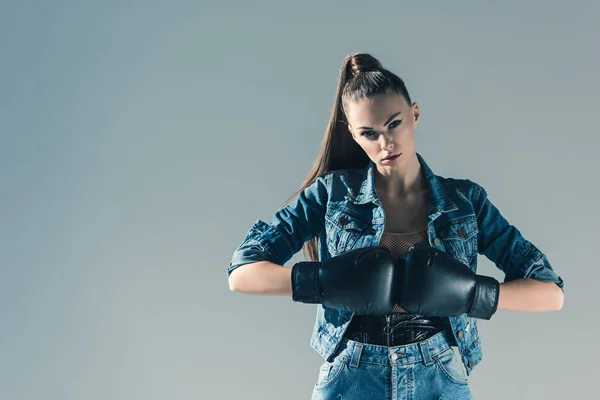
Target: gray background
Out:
[140,141]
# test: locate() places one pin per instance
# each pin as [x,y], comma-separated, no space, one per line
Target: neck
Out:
[402,180]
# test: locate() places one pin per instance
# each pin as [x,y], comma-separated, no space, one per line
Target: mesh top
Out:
[400,243]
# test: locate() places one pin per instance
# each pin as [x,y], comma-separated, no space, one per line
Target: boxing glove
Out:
[434,283]
[361,281]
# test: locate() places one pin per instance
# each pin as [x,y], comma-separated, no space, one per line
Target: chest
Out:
[405,216]
[349,226]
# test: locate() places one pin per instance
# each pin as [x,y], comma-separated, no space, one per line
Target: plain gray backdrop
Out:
[140,140]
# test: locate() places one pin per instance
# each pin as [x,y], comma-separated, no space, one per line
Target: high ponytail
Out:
[361,76]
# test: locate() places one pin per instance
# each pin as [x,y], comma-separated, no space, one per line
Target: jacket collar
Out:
[439,201]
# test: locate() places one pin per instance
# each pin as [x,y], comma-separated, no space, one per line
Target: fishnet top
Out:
[400,243]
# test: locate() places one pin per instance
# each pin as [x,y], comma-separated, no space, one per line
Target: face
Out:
[384,126]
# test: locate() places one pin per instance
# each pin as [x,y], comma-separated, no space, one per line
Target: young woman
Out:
[392,250]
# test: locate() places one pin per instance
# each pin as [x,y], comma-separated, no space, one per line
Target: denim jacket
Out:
[342,209]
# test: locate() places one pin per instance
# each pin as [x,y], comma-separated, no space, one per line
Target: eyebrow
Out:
[386,122]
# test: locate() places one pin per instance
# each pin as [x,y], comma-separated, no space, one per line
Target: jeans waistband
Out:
[423,351]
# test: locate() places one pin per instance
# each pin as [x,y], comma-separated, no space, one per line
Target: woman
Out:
[392,251]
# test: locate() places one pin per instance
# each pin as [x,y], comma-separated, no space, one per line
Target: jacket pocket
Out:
[460,239]
[343,230]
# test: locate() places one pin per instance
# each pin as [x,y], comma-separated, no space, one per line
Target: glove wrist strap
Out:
[485,301]
[305,288]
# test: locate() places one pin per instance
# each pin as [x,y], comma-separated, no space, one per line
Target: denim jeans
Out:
[430,369]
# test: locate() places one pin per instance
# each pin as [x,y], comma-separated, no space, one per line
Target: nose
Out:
[387,142]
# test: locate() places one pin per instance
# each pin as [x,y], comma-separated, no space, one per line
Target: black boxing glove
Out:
[361,281]
[436,284]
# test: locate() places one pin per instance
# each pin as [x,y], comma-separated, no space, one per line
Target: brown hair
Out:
[361,77]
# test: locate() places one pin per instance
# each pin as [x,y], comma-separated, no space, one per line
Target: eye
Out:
[369,134]
[395,124]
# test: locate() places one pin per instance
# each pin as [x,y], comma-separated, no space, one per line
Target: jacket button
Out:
[461,233]
[459,334]
[470,364]
[343,220]
[436,241]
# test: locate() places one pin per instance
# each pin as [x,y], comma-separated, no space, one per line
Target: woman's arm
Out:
[530,295]
[530,282]
[262,278]
[525,295]
[267,247]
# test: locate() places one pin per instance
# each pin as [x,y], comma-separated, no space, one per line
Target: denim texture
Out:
[342,209]
[430,369]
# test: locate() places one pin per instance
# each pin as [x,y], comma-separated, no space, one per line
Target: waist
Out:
[393,329]
[396,355]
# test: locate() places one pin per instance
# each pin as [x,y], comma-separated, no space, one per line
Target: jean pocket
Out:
[451,366]
[330,372]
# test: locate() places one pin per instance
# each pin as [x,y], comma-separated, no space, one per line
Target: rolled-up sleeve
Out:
[504,245]
[293,225]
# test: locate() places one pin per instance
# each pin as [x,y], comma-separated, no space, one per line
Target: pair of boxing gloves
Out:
[371,281]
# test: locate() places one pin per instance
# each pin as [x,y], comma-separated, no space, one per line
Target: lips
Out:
[391,156]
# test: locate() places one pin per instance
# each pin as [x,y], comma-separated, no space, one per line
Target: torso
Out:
[406,216]
[405,224]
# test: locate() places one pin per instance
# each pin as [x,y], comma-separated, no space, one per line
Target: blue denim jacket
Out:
[343,211]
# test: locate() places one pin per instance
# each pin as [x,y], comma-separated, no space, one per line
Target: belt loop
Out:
[356,352]
[425,352]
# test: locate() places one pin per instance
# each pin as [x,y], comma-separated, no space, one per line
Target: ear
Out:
[416,113]
[351,132]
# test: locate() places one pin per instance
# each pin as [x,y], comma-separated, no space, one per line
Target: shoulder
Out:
[348,178]
[451,181]
[462,186]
